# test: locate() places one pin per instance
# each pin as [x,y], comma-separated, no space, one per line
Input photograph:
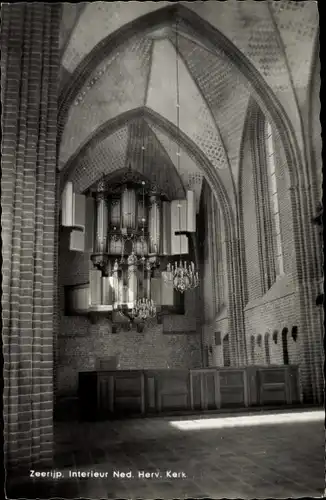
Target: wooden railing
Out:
[107,394]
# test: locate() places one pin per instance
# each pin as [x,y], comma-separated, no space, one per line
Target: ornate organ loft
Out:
[137,241]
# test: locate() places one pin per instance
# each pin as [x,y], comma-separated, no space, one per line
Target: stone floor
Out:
[249,455]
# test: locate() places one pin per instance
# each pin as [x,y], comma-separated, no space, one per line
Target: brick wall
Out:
[30,65]
[174,344]
[214,267]
[279,307]
[315,127]
[150,349]
[285,206]
[269,317]
[208,270]
[249,221]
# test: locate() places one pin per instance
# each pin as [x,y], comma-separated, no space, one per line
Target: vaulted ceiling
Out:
[103,79]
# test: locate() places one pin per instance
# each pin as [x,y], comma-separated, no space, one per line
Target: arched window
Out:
[267,349]
[285,346]
[270,252]
[274,202]
[218,242]
[226,351]
[252,348]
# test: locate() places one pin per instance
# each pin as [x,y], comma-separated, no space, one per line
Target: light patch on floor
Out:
[249,420]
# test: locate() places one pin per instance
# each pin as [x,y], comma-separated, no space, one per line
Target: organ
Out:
[130,230]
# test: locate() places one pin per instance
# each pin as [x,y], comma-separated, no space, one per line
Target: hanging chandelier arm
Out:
[179,208]
[183,275]
[177,94]
[177,77]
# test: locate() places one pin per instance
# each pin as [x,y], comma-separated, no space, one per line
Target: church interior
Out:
[162,248]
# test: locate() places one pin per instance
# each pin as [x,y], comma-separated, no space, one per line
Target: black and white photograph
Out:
[162,250]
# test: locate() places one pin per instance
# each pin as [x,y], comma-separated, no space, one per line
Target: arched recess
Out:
[285,347]
[212,176]
[257,151]
[252,350]
[267,348]
[226,350]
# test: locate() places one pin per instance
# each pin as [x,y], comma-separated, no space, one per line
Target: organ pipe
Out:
[115,212]
[121,220]
[128,209]
[115,282]
[132,278]
[106,291]
[166,228]
[101,223]
[148,273]
[154,225]
[141,214]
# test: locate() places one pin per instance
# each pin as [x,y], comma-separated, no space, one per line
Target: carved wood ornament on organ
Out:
[127,243]
[131,232]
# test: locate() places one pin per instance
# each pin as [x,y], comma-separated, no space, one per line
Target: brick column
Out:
[30,68]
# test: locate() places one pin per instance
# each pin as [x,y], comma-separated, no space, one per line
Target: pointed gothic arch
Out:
[212,38]
[268,102]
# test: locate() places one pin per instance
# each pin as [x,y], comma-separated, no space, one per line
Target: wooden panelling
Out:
[174,402]
[104,391]
[151,394]
[88,396]
[232,396]
[230,378]
[139,392]
[273,386]
[123,392]
[209,388]
[205,389]
[173,390]
[127,385]
[196,391]
[294,383]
